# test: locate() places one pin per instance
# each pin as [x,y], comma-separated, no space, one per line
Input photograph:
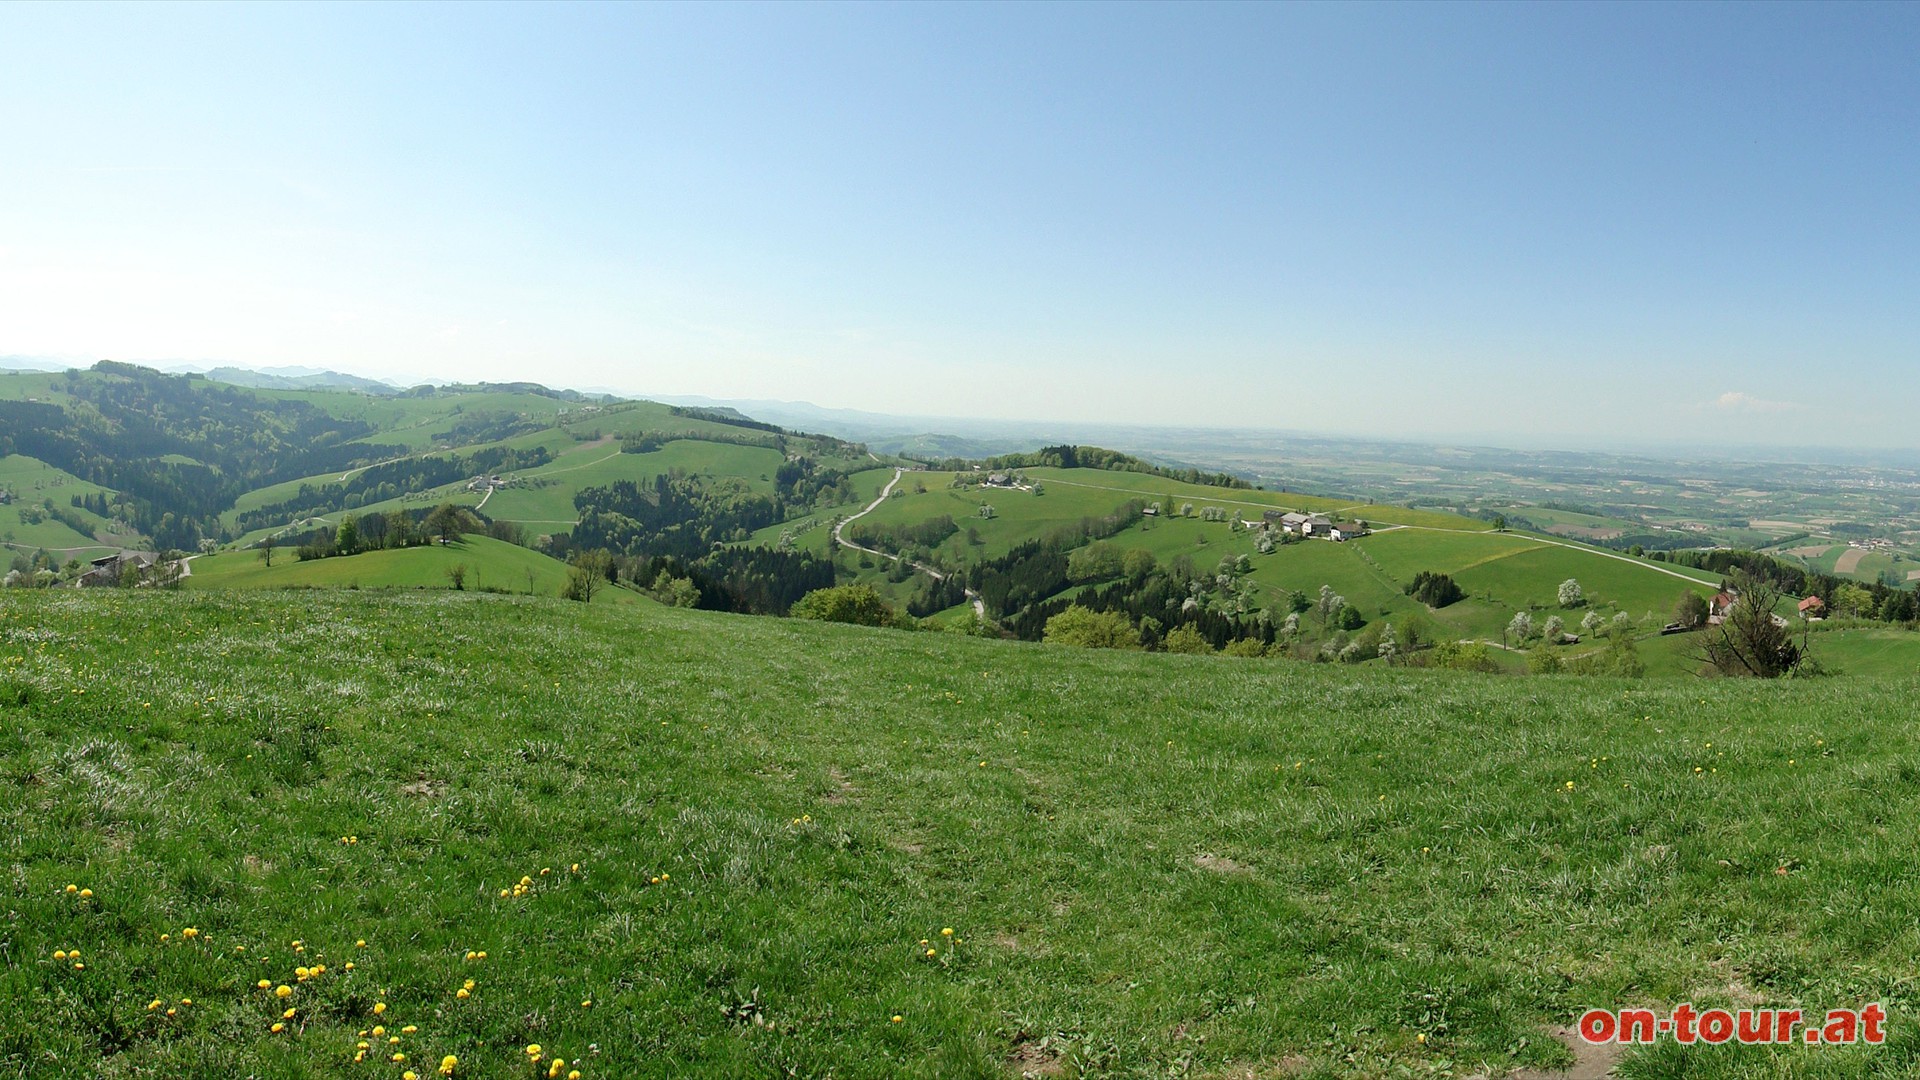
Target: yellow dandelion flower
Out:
[277,1027]
[409,1075]
[587,1004]
[448,1064]
[190,932]
[463,993]
[349,965]
[946,931]
[186,1001]
[361,944]
[79,967]
[283,991]
[398,1058]
[73,888]
[171,1012]
[86,894]
[379,1007]
[288,1015]
[154,1004]
[469,984]
[409,1029]
[897,1018]
[264,984]
[379,1031]
[533,1049]
[933,952]
[59,954]
[575,868]
[574,1075]
[482,955]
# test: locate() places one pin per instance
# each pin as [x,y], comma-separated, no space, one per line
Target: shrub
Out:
[856,604]
[1091,629]
[1471,656]
[1187,639]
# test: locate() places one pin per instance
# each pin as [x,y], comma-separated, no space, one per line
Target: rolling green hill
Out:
[658,843]
[691,494]
[27,523]
[488,564]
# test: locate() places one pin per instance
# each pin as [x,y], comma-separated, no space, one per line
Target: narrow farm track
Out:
[979,607]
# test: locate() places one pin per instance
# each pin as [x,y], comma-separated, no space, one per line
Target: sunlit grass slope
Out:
[489,564]
[1151,865]
[32,482]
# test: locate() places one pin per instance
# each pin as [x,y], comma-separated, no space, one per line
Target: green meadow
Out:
[31,482]
[488,564]
[661,843]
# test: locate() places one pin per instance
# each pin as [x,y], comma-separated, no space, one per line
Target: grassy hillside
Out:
[489,563]
[1501,572]
[738,838]
[32,482]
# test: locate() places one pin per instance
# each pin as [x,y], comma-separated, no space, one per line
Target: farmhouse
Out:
[1812,608]
[999,479]
[1721,605]
[1347,530]
[108,568]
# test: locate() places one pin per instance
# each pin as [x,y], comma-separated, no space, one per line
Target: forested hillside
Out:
[177,450]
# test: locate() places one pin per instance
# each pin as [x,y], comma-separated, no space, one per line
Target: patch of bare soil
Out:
[1590,1061]
[1034,1059]
[1219,864]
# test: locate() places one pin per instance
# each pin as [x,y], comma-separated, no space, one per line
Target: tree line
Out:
[1090,457]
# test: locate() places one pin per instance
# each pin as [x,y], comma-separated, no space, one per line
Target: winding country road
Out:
[979,607]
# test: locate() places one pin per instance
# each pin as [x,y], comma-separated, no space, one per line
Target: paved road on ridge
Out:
[979,607]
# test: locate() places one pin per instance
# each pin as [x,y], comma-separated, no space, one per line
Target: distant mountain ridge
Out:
[300,379]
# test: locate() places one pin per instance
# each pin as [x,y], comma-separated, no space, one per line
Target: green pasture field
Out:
[1869,567]
[1866,649]
[31,481]
[735,841]
[490,564]
[546,494]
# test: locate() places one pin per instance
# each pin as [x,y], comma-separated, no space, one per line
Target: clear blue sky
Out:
[1547,221]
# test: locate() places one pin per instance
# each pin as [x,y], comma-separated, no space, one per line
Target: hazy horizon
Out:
[1574,225]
